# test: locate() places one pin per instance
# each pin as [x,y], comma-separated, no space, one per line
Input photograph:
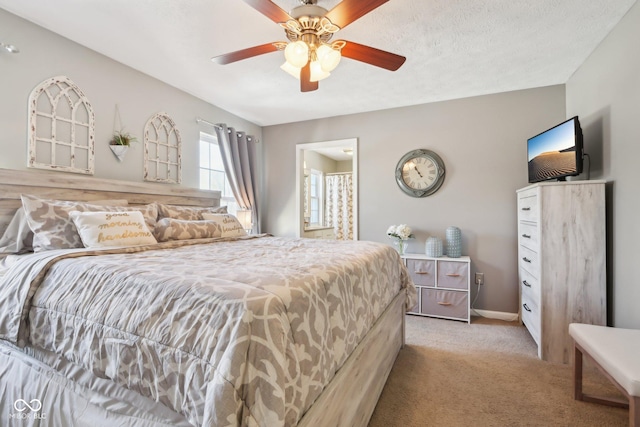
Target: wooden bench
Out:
[616,352]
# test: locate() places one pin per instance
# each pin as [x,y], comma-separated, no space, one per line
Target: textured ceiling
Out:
[454,49]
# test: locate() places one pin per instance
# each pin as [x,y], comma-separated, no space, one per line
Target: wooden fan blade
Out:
[348,11]
[239,55]
[270,10]
[370,55]
[306,85]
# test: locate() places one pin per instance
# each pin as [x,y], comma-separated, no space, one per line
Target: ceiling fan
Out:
[310,54]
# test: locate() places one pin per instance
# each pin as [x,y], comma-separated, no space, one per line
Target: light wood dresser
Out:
[561,262]
[443,286]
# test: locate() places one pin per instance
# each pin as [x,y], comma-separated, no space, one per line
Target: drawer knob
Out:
[453,275]
[526,209]
[524,282]
[526,236]
[443,303]
[422,272]
[525,259]
[526,307]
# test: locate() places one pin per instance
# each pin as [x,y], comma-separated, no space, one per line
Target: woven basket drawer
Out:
[416,308]
[451,304]
[422,271]
[453,275]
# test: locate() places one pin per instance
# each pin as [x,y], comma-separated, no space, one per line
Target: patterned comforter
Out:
[226,332]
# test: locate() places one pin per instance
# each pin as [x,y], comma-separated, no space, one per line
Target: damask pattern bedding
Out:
[230,332]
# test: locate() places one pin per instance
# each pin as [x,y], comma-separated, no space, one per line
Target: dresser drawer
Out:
[416,308]
[529,261]
[453,275]
[453,304]
[529,236]
[530,286]
[528,207]
[423,272]
[531,318]
[328,234]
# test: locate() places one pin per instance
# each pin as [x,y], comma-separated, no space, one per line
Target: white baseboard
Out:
[500,315]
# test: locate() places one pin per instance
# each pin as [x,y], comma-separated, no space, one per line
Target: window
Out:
[315,199]
[212,174]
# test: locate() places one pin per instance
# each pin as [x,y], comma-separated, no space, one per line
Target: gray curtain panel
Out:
[239,158]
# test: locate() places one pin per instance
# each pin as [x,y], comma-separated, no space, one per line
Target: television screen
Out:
[556,153]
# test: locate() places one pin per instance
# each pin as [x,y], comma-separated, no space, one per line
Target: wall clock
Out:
[420,173]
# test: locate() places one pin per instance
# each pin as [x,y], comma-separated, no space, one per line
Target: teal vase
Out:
[454,242]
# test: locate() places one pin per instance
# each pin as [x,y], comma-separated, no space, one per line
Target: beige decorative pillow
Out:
[18,237]
[189,213]
[104,229]
[53,228]
[229,224]
[180,229]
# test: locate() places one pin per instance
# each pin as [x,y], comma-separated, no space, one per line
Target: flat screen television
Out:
[556,153]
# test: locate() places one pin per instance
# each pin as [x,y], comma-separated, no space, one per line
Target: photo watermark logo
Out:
[27,410]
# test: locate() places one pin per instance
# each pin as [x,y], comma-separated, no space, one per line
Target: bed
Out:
[188,332]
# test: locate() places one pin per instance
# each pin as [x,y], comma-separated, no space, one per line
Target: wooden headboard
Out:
[63,186]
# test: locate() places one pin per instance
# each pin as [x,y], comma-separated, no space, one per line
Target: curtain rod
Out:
[338,173]
[199,120]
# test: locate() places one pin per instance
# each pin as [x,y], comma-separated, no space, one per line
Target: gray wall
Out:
[605,93]
[345,166]
[319,162]
[105,83]
[482,141]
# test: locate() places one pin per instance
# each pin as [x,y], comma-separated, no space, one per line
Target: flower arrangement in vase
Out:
[400,233]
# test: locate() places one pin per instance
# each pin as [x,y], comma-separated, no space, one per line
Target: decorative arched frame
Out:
[162,150]
[61,127]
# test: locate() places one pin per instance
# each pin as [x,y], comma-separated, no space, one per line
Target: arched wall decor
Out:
[162,150]
[61,127]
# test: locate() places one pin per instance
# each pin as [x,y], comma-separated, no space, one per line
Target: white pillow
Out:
[104,229]
[228,223]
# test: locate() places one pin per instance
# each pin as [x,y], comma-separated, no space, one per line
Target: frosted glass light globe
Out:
[294,71]
[329,58]
[317,73]
[297,54]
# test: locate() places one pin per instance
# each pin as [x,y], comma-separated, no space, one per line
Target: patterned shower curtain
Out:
[339,202]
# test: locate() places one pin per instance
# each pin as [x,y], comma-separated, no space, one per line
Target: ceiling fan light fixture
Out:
[297,53]
[290,69]
[329,58]
[317,72]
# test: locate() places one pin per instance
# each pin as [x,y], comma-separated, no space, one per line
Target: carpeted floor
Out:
[487,373]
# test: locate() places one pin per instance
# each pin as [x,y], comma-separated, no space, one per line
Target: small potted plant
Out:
[123,138]
[120,143]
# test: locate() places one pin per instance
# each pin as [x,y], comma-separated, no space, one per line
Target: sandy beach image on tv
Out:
[553,163]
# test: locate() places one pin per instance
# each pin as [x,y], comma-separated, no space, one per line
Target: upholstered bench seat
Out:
[616,352]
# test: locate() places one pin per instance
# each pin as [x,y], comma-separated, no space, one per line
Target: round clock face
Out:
[420,173]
